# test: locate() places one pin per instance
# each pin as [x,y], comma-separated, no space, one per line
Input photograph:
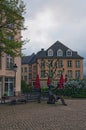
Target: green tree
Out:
[24,87]
[50,68]
[11,22]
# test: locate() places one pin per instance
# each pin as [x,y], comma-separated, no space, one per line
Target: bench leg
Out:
[13,102]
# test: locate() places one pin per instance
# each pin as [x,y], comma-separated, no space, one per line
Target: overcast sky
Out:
[49,21]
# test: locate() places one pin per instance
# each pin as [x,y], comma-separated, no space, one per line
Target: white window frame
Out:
[77,73]
[50,52]
[68,52]
[9,62]
[77,63]
[69,73]
[59,52]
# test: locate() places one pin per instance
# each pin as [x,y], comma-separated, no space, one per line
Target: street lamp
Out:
[15,70]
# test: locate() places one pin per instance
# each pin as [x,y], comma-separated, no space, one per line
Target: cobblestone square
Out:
[43,116]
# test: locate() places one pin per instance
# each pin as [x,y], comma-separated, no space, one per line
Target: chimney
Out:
[42,49]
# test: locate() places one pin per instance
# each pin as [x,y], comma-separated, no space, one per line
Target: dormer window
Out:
[68,52]
[59,52]
[50,52]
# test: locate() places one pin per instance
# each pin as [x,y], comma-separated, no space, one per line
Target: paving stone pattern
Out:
[43,116]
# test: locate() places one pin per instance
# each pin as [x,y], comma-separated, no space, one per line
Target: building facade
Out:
[56,60]
[10,77]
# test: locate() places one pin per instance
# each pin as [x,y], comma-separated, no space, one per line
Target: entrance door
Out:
[9,86]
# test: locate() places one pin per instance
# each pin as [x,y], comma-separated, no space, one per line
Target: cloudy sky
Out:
[49,21]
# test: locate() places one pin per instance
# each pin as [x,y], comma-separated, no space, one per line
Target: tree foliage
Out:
[52,69]
[11,23]
[25,88]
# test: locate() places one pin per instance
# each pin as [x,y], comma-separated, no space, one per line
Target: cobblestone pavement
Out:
[43,116]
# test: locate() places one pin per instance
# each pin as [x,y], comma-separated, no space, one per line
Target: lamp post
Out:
[15,70]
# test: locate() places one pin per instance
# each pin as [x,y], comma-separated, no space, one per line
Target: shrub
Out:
[75,88]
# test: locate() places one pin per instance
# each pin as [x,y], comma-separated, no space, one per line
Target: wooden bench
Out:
[17,99]
[14,99]
[3,99]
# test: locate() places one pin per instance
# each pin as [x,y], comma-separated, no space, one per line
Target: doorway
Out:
[9,86]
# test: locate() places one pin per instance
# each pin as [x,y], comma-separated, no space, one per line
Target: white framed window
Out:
[77,73]
[69,63]
[42,73]
[60,64]
[59,73]
[68,52]
[25,78]
[42,63]
[25,69]
[77,64]
[69,73]
[50,52]
[9,86]
[59,52]
[9,62]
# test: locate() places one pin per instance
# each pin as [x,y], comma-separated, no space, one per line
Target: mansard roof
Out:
[27,59]
[55,47]
[44,54]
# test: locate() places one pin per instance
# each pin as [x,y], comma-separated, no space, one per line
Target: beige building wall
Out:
[25,73]
[18,74]
[65,69]
[10,73]
[73,68]
[43,80]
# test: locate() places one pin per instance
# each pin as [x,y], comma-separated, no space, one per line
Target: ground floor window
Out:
[69,73]
[77,74]
[33,83]
[9,86]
